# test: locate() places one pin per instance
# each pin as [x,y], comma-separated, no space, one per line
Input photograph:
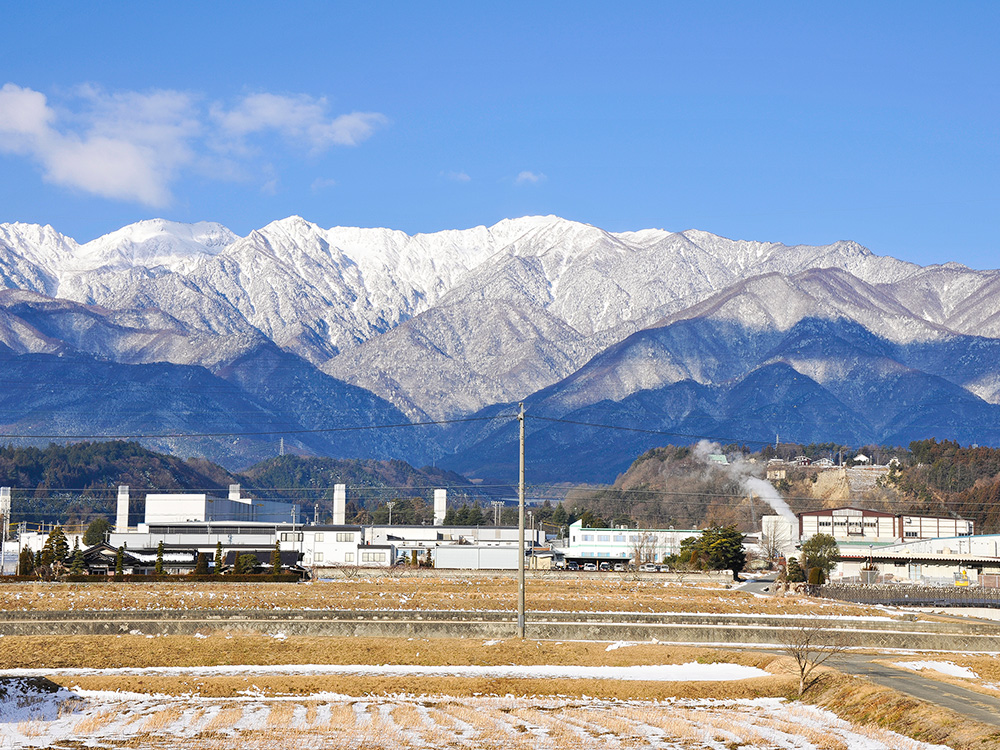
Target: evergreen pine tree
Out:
[97,531]
[60,546]
[218,558]
[159,558]
[25,563]
[77,566]
[120,561]
[276,559]
[794,572]
[201,566]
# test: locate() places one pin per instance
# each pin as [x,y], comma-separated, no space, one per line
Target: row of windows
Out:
[620,538]
[373,557]
[296,536]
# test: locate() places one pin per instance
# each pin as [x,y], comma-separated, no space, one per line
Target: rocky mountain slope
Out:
[299,328]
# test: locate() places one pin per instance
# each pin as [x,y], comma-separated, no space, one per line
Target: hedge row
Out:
[153,578]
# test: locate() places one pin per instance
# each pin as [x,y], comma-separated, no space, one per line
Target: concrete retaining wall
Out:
[723,629]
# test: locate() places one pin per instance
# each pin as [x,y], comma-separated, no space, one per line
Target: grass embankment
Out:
[109,652]
[605,594]
[866,704]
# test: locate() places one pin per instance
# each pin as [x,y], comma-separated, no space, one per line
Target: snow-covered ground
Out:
[949,669]
[110,719]
[691,672]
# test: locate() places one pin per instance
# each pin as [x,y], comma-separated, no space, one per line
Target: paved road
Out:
[757,585]
[966,702]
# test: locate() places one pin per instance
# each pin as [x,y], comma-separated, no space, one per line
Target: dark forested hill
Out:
[370,483]
[76,482]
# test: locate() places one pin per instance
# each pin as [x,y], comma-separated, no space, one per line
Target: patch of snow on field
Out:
[691,672]
[398,722]
[944,667]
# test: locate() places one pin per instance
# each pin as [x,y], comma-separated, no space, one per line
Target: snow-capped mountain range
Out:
[299,328]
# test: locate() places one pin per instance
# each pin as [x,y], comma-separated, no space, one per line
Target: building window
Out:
[373,557]
[345,536]
[349,557]
[604,554]
[291,536]
[633,537]
[911,533]
[604,537]
[619,539]
[317,557]
[318,536]
[588,537]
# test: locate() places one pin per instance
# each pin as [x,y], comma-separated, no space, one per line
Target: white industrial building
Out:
[851,525]
[191,523]
[422,540]
[475,557]
[942,561]
[622,544]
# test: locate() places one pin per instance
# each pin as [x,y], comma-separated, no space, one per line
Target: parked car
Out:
[590,566]
[649,568]
[620,567]
[605,566]
[572,566]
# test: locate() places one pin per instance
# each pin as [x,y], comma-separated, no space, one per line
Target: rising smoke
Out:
[742,471]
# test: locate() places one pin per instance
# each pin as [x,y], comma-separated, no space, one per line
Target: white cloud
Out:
[301,117]
[321,183]
[457,176]
[132,145]
[529,178]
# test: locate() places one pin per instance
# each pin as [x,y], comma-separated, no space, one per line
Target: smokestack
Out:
[440,506]
[5,510]
[121,522]
[234,493]
[339,504]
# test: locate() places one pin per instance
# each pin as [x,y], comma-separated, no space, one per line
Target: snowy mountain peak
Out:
[153,243]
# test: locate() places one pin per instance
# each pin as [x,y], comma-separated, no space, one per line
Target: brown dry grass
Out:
[107,651]
[867,704]
[587,594]
[306,685]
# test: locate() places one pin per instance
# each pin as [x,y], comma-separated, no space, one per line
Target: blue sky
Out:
[788,122]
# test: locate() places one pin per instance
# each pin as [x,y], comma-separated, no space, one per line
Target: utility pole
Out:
[389,505]
[497,505]
[520,527]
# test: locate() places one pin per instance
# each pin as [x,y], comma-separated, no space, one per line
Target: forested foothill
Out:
[673,485]
[679,486]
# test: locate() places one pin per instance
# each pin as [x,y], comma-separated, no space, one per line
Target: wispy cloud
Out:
[133,145]
[300,117]
[322,183]
[125,147]
[456,176]
[529,178]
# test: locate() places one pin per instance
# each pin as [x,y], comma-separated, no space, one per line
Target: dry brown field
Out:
[587,594]
[278,699]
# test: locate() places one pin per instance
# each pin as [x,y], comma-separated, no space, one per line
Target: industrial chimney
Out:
[339,504]
[121,521]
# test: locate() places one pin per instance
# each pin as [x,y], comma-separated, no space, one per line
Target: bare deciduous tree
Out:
[811,647]
[644,549]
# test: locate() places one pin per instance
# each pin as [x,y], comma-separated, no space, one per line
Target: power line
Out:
[246,434]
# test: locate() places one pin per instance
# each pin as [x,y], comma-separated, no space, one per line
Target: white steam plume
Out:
[741,471]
